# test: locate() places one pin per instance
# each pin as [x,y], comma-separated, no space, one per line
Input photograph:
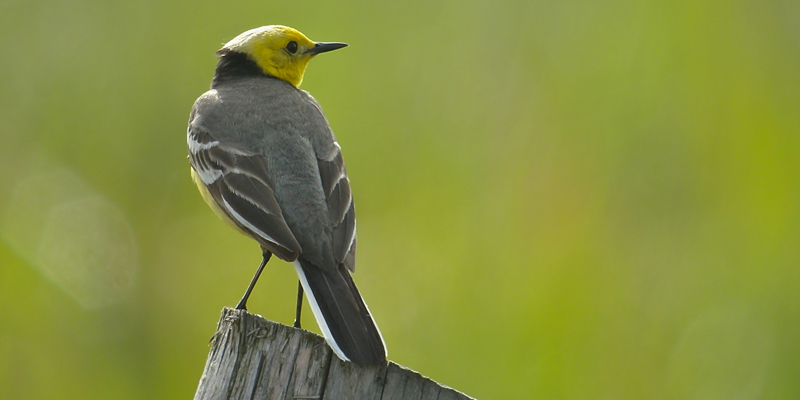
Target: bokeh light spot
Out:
[75,237]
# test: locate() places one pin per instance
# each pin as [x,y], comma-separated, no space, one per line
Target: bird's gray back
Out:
[285,126]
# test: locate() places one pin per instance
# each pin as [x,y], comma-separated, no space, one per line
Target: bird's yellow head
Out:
[279,51]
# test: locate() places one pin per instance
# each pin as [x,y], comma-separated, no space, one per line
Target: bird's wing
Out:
[340,205]
[239,184]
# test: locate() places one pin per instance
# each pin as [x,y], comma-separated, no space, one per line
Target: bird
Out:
[266,161]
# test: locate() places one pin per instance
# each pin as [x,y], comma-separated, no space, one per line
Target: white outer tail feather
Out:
[323,325]
[380,335]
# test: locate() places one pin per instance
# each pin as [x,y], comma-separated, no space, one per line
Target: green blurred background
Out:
[556,200]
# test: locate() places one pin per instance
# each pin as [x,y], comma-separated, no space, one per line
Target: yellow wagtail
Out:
[266,161]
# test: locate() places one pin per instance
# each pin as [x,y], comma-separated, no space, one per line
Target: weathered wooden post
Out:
[253,358]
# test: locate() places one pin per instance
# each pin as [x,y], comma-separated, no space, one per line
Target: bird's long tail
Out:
[341,313]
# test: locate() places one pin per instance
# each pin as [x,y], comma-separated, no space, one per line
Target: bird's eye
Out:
[291,47]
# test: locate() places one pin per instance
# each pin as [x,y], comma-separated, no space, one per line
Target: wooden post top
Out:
[254,358]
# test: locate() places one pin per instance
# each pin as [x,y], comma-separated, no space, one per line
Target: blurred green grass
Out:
[556,200]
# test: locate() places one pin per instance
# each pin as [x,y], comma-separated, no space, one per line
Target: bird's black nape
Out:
[235,65]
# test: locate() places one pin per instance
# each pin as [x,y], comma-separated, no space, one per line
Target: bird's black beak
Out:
[325,47]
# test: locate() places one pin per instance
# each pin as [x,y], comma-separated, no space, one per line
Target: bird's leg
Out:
[243,302]
[299,304]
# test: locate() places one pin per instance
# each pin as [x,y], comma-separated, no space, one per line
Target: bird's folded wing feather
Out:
[239,184]
[340,205]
